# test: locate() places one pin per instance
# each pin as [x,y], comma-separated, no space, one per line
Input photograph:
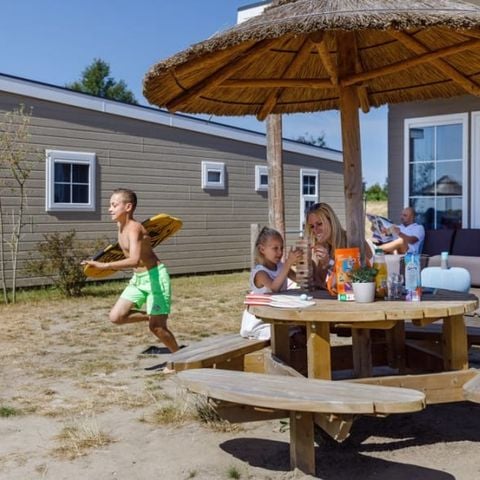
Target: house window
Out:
[261,178]
[213,175]
[308,192]
[70,181]
[436,169]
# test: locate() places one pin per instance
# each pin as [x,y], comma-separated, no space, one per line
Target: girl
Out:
[268,275]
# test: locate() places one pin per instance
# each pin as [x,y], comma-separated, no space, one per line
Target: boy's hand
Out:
[93,263]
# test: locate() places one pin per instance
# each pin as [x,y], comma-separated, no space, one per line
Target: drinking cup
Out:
[394,286]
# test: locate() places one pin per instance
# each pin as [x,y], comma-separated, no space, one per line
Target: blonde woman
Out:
[326,234]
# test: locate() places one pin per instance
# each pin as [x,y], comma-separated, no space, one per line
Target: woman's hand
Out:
[321,255]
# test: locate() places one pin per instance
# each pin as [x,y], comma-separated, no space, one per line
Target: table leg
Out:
[280,342]
[318,351]
[302,447]
[395,338]
[454,343]
[362,352]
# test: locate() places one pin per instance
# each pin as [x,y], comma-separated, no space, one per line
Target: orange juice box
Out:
[346,260]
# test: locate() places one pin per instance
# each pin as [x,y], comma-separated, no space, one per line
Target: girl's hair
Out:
[129,196]
[325,213]
[265,234]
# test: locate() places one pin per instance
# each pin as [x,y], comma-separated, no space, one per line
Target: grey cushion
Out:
[438,241]
[467,242]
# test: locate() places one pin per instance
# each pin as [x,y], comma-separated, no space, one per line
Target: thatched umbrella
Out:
[310,55]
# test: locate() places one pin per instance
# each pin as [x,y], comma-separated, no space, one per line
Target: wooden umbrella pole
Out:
[276,215]
[352,159]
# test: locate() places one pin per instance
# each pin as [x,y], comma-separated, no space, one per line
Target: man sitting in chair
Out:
[410,235]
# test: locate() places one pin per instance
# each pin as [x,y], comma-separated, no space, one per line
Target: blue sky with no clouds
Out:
[53,41]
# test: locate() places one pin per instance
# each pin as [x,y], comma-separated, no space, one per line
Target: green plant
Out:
[60,257]
[364,274]
[8,411]
[232,472]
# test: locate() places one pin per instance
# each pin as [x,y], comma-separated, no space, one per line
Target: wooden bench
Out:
[222,351]
[300,398]
[434,332]
[471,389]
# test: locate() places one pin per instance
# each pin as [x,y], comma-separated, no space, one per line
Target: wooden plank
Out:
[300,394]
[362,352]
[395,339]
[318,351]
[214,350]
[280,342]
[337,426]
[454,342]
[441,387]
[302,448]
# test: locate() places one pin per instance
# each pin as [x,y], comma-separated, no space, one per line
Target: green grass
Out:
[232,472]
[8,411]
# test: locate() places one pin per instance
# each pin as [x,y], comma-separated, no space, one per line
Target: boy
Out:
[150,282]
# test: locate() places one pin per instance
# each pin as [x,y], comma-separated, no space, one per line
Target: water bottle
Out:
[412,277]
[444,261]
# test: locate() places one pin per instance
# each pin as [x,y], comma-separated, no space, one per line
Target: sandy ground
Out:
[77,403]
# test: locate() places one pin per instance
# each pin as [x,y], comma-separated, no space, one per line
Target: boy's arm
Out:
[133,260]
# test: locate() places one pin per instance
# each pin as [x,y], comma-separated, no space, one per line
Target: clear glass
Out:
[395,286]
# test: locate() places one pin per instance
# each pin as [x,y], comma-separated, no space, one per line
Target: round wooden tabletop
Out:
[334,311]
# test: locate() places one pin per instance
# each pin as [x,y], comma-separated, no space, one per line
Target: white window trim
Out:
[475,172]
[314,198]
[259,171]
[71,157]
[213,167]
[435,121]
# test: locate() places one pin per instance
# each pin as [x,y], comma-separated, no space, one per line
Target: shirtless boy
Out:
[150,283]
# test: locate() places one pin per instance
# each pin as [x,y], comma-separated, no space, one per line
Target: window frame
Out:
[71,157]
[437,121]
[208,166]
[311,198]
[261,170]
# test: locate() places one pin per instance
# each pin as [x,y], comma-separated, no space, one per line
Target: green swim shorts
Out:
[152,287]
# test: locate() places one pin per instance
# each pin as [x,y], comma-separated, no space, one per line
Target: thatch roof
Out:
[285,60]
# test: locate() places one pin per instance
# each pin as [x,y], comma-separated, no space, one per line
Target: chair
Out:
[454,278]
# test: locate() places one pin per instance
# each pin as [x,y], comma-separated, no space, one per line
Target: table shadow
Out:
[344,464]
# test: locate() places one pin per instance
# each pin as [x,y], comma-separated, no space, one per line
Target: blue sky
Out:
[54,40]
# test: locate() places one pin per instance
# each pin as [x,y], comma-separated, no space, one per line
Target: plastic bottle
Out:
[381,278]
[412,277]
[444,261]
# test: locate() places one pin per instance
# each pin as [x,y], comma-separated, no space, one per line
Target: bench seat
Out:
[221,351]
[301,398]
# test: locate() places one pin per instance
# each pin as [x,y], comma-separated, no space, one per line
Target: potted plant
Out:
[363,284]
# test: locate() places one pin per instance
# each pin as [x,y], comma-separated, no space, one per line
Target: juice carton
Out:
[346,260]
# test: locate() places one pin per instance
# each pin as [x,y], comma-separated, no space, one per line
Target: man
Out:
[410,235]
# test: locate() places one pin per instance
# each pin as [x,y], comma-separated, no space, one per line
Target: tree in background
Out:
[309,139]
[96,81]
[376,192]
[17,160]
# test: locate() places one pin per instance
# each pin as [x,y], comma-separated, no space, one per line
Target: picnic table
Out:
[318,320]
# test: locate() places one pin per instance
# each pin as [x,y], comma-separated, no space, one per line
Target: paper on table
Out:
[281,301]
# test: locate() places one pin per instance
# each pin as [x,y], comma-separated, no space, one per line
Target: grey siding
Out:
[396,116]
[163,165]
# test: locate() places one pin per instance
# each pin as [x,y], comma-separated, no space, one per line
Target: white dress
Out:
[253,327]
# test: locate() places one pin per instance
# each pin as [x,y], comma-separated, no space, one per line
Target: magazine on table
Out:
[382,228]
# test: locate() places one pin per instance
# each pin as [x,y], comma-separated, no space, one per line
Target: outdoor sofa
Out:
[463,246]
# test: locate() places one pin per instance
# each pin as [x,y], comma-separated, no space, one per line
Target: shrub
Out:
[60,257]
